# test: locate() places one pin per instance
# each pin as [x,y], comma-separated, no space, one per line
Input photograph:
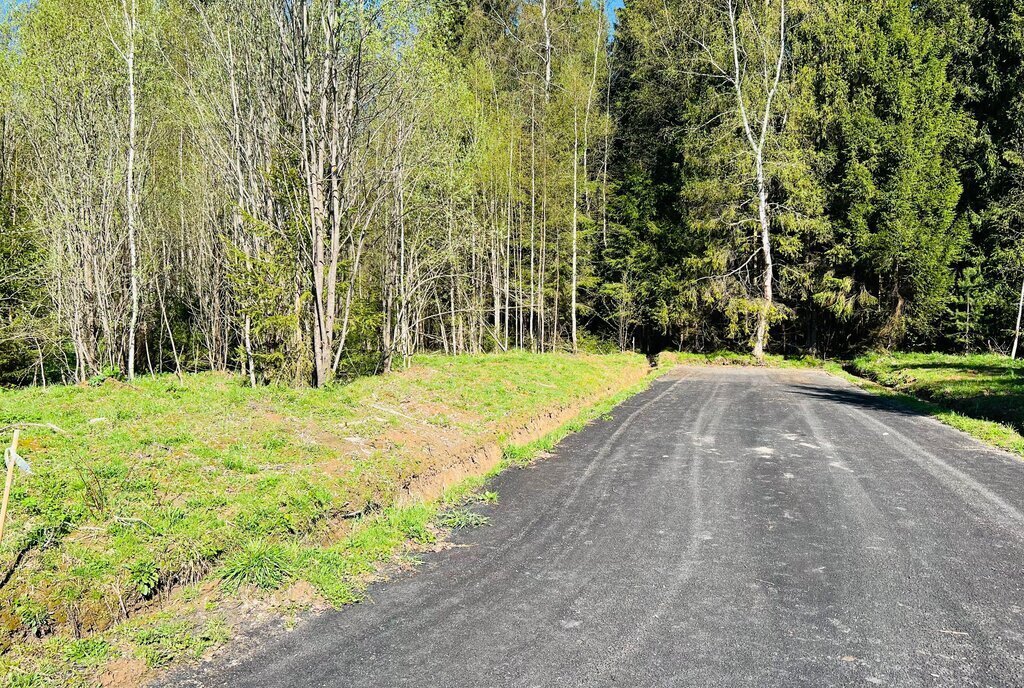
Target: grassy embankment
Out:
[159,505]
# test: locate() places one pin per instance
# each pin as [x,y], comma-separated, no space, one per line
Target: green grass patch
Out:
[987,387]
[258,564]
[164,643]
[460,518]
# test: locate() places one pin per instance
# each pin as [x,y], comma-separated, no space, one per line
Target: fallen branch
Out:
[127,519]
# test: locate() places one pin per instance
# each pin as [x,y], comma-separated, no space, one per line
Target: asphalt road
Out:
[728,527]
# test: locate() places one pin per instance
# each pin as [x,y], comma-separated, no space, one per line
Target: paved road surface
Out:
[729,527]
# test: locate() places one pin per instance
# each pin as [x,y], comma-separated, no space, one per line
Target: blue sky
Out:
[615,4]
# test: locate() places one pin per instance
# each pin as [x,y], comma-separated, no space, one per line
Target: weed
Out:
[144,577]
[411,523]
[108,373]
[87,651]
[457,519]
[487,497]
[25,679]
[257,563]
[34,616]
[167,642]
[233,463]
[275,442]
[519,455]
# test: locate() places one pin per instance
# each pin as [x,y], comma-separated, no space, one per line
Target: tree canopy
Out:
[300,190]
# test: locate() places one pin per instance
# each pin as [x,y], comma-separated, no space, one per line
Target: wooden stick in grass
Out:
[9,456]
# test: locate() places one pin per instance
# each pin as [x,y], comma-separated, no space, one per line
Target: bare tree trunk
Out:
[545,13]
[1020,314]
[589,106]
[247,343]
[236,216]
[766,249]
[545,18]
[170,334]
[533,215]
[131,18]
[575,225]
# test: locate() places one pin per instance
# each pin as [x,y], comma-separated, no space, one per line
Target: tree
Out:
[757,95]
[889,131]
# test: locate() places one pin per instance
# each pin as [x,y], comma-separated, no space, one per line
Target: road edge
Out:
[276,619]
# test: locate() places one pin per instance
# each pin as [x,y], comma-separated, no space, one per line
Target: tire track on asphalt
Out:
[684,560]
[932,589]
[564,543]
[965,487]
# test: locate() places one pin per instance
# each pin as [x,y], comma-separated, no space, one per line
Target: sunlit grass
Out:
[984,386]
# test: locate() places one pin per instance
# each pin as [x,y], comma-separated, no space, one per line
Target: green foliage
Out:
[889,134]
[144,577]
[88,652]
[264,281]
[487,497]
[894,170]
[167,642]
[984,386]
[107,373]
[33,615]
[894,184]
[25,680]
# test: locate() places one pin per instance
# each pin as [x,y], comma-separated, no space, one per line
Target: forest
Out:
[305,190]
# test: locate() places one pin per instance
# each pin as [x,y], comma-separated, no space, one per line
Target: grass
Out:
[156,491]
[259,564]
[460,518]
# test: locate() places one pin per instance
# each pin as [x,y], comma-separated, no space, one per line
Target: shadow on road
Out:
[858,399]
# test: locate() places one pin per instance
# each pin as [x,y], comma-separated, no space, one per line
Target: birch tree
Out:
[756,87]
